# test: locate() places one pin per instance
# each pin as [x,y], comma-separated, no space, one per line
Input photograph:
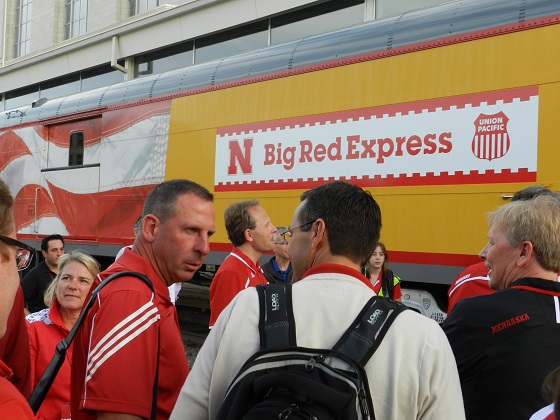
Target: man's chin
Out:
[186,275]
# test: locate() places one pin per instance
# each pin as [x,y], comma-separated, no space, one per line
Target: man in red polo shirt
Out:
[472,281]
[252,234]
[117,349]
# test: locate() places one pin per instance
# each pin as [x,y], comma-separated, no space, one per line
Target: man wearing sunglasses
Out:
[12,404]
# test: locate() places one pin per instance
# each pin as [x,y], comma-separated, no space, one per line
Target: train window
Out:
[76,150]
[235,41]
[315,20]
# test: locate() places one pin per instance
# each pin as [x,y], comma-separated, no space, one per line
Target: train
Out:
[442,113]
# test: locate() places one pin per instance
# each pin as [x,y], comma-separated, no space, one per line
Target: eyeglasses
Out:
[24,252]
[288,234]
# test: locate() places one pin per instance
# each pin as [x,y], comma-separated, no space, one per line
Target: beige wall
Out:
[47,24]
[175,21]
[103,13]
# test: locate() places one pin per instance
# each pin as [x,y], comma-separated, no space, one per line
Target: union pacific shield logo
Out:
[491,139]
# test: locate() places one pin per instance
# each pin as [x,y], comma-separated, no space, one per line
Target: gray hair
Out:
[536,220]
[278,234]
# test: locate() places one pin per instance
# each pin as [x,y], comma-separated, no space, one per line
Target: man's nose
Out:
[203,245]
[483,252]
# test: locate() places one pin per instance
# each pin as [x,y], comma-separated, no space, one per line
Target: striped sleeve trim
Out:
[122,334]
[467,280]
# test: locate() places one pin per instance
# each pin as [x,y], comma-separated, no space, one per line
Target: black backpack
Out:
[283,381]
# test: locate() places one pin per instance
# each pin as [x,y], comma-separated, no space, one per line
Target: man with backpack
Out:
[412,375]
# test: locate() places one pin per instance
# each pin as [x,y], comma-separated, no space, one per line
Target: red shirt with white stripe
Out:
[545,413]
[237,272]
[116,350]
[472,281]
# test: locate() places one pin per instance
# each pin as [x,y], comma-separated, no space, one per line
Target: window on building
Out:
[22,97]
[100,77]
[386,8]
[142,6]
[235,41]
[76,150]
[315,20]
[62,86]
[76,18]
[23,27]
[171,58]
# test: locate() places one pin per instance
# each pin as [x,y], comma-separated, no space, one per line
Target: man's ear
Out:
[525,253]
[150,227]
[319,237]
[248,234]
[44,253]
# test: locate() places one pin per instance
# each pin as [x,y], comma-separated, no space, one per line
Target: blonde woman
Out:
[64,297]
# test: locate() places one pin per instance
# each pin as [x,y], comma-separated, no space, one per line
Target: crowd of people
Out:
[495,356]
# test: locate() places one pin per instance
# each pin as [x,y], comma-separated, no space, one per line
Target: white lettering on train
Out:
[491,124]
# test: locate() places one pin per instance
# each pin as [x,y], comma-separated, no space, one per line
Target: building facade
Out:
[54,48]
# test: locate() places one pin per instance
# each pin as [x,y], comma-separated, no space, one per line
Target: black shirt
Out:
[505,344]
[34,285]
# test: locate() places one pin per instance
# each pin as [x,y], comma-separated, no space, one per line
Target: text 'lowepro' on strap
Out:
[365,334]
[276,325]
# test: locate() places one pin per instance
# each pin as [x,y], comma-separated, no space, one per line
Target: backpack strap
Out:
[364,336]
[40,392]
[277,327]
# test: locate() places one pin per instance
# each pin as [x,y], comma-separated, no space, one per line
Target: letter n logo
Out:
[241,158]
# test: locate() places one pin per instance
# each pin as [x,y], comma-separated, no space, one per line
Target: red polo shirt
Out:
[237,272]
[115,351]
[46,330]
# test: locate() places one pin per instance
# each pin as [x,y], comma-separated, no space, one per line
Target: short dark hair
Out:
[531,192]
[54,237]
[238,219]
[352,218]
[137,224]
[161,201]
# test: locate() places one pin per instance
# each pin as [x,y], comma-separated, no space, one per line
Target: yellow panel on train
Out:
[446,219]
